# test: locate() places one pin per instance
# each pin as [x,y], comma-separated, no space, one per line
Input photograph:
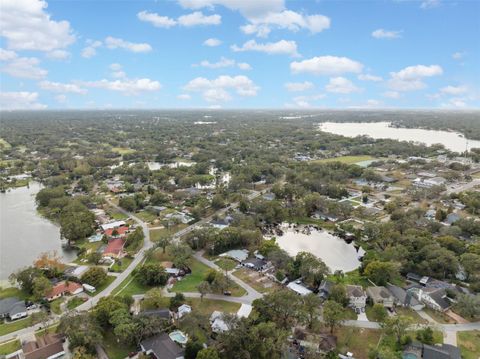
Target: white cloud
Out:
[58,55]
[26,26]
[304,101]
[298,86]
[21,100]
[326,65]
[272,48]
[115,67]
[247,8]
[156,20]
[458,55]
[216,90]
[455,103]
[368,77]
[454,90]
[341,85]
[114,43]
[244,66]
[61,98]
[193,19]
[127,86]
[287,19]
[212,42]
[62,87]
[410,78]
[117,71]
[184,96]
[21,67]
[197,18]
[222,63]
[391,94]
[386,34]
[91,49]
[429,4]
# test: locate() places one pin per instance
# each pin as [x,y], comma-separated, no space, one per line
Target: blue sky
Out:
[239,54]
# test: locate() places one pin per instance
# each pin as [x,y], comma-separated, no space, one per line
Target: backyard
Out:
[469,343]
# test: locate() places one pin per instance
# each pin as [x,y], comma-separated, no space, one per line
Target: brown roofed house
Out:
[48,346]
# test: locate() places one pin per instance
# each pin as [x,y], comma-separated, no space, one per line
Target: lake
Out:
[24,234]
[451,140]
[334,251]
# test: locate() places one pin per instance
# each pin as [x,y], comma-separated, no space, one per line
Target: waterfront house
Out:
[357,298]
[298,287]
[64,288]
[381,295]
[12,308]
[161,346]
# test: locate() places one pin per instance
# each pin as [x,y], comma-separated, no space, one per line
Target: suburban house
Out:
[404,298]
[435,298]
[238,255]
[161,346]
[183,310]
[114,248]
[325,288]
[48,346]
[381,295]
[438,351]
[298,287]
[357,298]
[12,308]
[217,323]
[255,263]
[64,288]
[112,225]
[163,313]
[117,232]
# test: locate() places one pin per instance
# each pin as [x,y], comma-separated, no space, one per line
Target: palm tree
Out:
[164,242]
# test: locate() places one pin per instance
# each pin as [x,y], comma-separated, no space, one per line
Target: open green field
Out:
[12,292]
[114,348]
[130,286]
[469,344]
[357,340]
[116,215]
[349,160]
[156,234]
[10,347]
[208,306]
[146,216]
[226,263]
[189,282]
[9,327]
[123,150]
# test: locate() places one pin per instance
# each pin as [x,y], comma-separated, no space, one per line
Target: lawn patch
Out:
[101,287]
[349,160]
[357,340]
[190,282]
[10,327]
[226,263]
[114,348]
[10,347]
[469,344]
[208,306]
[12,292]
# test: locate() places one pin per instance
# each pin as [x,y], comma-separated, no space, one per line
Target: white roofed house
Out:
[298,287]
[357,298]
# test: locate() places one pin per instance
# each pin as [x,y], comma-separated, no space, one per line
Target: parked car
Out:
[227,292]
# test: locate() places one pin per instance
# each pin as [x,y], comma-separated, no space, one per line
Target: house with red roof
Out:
[114,248]
[120,231]
[64,288]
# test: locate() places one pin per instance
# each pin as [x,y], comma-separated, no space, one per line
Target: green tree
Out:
[338,293]
[76,221]
[381,272]
[152,274]
[310,268]
[25,278]
[94,276]
[154,298]
[164,242]
[379,312]
[311,308]
[128,203]
[176,301]
[471,264]
[332,314]
[425,336]
[82,353]
[41,287]
[203,288]
[208,353]
[282,307]
[181,253]
[81,330]
[396,326]
[468,305]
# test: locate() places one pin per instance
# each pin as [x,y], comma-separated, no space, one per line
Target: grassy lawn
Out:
[156,234]
[55,305]
[114,348]
[105,284]
[208,306]
[123,150]
[439,317]
[226,263]
[349,314]
[250,277]
[469,344]
[357,340]
[190,282]
[407,312]
[437,336]
[9,327]
[121,265]
[73,303]
[118,216]
[345,159]
[12,292]
[130,286]
[146,216]
[10,347]
[352,277]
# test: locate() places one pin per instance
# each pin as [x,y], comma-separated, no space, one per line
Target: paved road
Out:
[464,187]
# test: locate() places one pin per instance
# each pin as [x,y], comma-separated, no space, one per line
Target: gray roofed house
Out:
[162,347]
[357,297]
[435,298]
[12,308]
[404,298]
[325,288]
[381,295]
[424,351]
[255,263]
[160,313]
